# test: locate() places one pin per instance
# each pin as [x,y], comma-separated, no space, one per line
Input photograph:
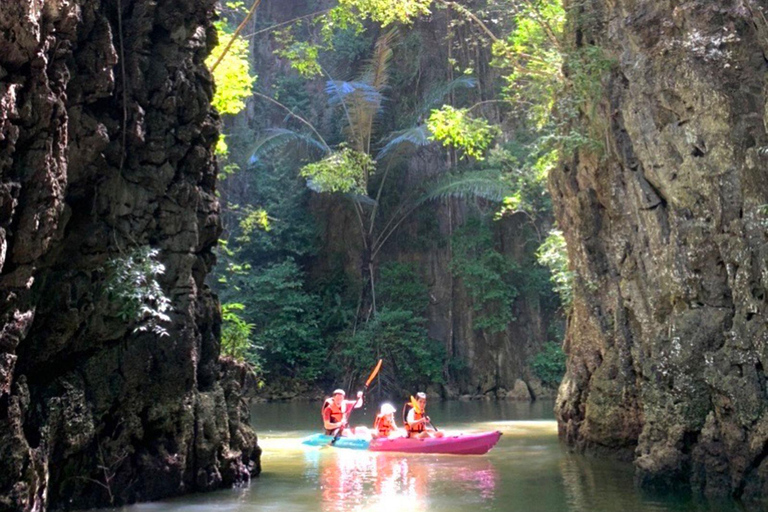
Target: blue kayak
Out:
[342,442]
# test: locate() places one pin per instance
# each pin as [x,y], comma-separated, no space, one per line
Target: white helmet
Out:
[387,409]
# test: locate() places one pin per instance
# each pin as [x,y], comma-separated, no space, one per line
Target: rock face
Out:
[105,146]
[667,341]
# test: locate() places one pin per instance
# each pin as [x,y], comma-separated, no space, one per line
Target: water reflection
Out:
[364,481]
[528,471]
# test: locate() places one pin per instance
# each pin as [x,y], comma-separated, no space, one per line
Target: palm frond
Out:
[362,99]
[276,139]
[338,91]
[404,140]
[377,70]
[487,184]
[361,198]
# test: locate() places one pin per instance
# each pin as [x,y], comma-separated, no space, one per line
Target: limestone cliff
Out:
[667,341]
[105,146]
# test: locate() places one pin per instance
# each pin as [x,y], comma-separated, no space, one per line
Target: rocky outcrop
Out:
[105,145]
[667,235]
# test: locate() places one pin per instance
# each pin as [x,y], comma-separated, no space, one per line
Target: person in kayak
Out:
[384,425]
[416,419]
[336,410]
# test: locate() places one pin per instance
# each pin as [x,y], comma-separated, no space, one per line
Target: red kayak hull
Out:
[462,444]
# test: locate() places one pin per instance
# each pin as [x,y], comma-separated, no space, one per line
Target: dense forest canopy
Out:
[349,95]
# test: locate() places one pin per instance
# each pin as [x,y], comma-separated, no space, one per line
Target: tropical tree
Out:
[360,170]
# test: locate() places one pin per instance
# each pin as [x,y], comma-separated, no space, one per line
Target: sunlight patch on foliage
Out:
[345,170]
[236,335]
[456,128]
[254,220]
[384,12]
[233,78]
[132,286]
[301,55]
[553,254]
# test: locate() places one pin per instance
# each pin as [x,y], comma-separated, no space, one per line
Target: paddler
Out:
[336,410]
[384,425]
[417,422]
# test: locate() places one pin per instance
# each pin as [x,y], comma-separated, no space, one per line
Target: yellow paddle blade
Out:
[415,405]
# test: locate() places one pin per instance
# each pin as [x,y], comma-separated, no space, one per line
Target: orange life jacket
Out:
[412,429]
[337,413]
[383,425]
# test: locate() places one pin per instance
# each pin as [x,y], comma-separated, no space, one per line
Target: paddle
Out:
[372,376]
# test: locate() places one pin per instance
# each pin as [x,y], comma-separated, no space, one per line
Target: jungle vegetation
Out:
[346,108]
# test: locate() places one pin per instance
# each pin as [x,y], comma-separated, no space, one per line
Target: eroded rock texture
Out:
[105,145]
[667,341]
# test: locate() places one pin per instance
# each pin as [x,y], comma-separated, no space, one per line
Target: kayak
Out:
[461,444]
[355,443]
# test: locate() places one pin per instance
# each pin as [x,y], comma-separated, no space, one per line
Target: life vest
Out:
[382,425]
[415,429]
[337,413]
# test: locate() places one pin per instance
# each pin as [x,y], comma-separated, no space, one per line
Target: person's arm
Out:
[353,404]
[327,423]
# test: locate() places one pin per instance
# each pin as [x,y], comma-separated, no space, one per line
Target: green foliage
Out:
[587,68]
[236,339]
[524,166]
[398,332]
[553,254]
[285,320]
[383,12]
[253,220]
[487,275]
[549,364]
[344,170]
[456,128]
[533,53]
[132,286]
[233,78]
[560,105]
[302,55]
[291,91]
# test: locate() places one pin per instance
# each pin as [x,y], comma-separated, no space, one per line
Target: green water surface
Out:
[528,471]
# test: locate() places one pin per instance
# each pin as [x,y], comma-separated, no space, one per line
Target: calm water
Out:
[528,471]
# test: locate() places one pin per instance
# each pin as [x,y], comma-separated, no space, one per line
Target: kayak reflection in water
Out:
[354,481]
[416,419]
[384,425]
[336,411]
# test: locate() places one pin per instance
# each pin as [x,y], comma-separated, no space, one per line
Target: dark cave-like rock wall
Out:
[105,145]
[667,341]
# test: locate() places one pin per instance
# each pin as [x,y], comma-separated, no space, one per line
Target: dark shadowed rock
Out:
[105,146]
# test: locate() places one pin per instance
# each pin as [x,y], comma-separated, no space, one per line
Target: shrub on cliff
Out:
[549,364]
